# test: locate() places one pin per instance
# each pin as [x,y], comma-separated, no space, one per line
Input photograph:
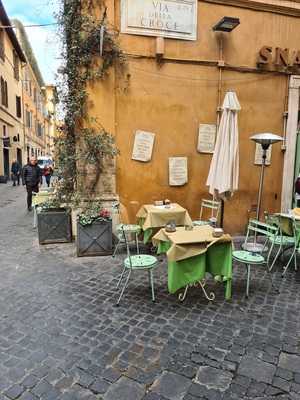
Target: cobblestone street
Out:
[61,337]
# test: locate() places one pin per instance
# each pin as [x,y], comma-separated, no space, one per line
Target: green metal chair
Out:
[296,247]
[285,238]
[137,262]
[132,230]
[212,205]
[249,258]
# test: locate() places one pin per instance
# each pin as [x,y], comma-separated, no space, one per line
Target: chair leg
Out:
[121,277]
[295,260]
[124,287]
[137,243]
[151,284]
[116,248]
[288,264]
[248,280]
[275,258]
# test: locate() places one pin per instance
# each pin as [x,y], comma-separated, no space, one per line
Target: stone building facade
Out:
[176,76]
[12,59]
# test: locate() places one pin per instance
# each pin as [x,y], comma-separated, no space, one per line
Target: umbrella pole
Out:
[222,213]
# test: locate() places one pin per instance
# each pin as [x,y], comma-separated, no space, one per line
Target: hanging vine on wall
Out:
[90,49]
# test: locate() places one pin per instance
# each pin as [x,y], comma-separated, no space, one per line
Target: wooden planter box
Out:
[54,226]
[94,239]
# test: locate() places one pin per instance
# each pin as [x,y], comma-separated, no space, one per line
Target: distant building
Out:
[39,109]
[12,60]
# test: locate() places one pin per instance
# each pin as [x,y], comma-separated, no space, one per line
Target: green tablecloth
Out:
[217,260]
[147,233]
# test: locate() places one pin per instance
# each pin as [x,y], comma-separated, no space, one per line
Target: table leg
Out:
[228,289]
[211,296]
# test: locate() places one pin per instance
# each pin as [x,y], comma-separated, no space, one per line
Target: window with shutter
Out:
[2,47]
[18,107]
[6,94]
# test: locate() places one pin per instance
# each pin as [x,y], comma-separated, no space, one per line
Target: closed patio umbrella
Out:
[223,174]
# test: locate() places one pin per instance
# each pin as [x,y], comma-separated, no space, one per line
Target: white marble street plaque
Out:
[168,18]
[178,171]
[143,146]
[259,153]
[206,138]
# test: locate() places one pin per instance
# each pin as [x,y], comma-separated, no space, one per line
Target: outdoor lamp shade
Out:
[226,24]
[266,139]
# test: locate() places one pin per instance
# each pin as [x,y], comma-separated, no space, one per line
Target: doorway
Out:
[6,162]
[292,141]
[297,157]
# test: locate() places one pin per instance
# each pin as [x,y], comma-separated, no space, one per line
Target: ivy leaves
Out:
[83,61]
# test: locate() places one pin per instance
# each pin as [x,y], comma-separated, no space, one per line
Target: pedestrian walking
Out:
[31,177]
[48,171]
[15,172]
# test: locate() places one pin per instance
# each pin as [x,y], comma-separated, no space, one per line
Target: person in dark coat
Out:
[48,171]
[31,177]
[15,172]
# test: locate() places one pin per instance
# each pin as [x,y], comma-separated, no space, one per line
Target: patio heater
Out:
[265,140]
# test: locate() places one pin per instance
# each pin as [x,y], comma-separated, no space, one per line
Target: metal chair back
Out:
[212,205]
[127,240]
[285,224]
[296,230]
[258,228]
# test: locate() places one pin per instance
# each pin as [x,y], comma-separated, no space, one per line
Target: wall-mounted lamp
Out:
[226,24]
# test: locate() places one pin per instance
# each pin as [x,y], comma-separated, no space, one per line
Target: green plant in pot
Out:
[94,231]
[54,221]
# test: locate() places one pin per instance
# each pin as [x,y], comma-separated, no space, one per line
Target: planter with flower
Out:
[54,222]
[94,231]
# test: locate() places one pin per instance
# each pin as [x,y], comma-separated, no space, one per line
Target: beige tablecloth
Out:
[186,244]
[157,216]
[286,221]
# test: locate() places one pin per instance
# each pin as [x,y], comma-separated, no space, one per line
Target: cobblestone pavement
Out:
[62,338]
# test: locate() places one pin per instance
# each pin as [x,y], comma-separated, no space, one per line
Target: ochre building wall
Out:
[173,98]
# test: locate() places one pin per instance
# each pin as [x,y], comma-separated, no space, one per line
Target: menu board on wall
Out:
[259,153]
[178,172]
[206,138]
[143,146]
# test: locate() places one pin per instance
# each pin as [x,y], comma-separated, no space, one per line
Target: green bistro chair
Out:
[296,246]
[285,237]
[137,262]
[214,207]
[249,258]
[132,230]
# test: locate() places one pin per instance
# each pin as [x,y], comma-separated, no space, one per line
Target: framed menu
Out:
[259,153]
[206,138]
[143,146]
[178,171]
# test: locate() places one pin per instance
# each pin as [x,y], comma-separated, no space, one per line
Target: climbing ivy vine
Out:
[89,49]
